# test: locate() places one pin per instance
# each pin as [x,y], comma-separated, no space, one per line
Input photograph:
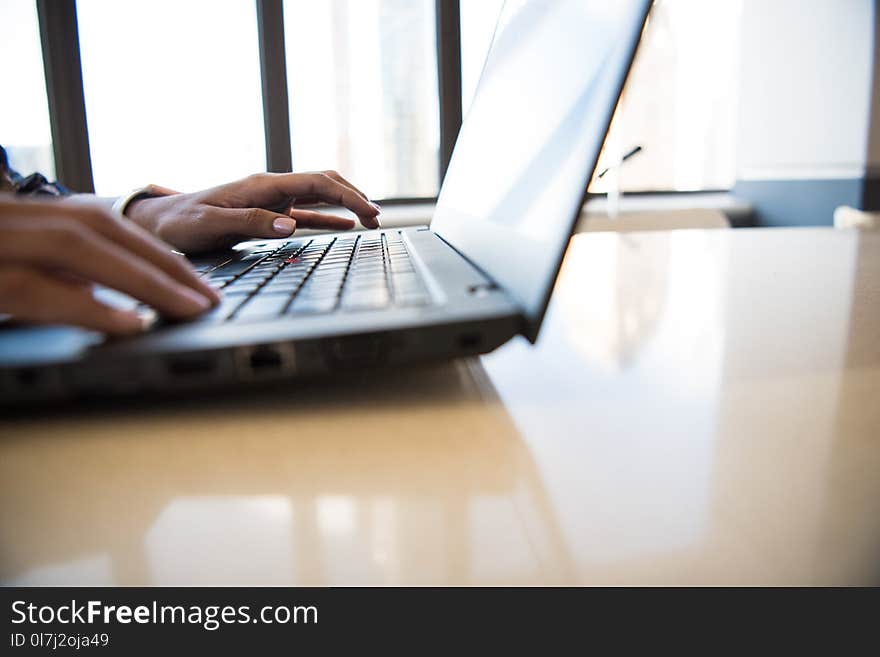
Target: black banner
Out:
[134,621]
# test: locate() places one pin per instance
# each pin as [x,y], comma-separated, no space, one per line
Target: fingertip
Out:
[203,287]
[368,209]
[214,295]
[194,303]
[125,322]
[284,226]
[371,222]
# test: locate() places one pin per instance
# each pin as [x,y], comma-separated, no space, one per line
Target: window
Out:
[362,82]
[24,113]
[172,92]
[679,103]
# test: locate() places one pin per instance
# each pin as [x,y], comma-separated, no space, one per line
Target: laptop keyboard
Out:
[366,271]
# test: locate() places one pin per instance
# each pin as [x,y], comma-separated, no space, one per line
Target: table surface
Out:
[702,407]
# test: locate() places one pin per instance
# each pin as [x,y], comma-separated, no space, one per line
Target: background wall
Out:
[809,111]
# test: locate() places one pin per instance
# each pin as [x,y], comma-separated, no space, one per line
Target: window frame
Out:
[59,39]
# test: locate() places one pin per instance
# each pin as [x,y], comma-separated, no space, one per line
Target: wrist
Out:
[139,205]
[123,202]
[141,210]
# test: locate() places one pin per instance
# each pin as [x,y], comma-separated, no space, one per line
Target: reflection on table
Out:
[700,409]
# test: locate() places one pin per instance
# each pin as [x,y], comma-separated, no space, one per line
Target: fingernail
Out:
[147,319]
[376,206]
[132,323]
[284,226]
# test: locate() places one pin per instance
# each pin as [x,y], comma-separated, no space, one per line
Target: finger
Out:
[137,240]
[70,246]
[324,188]
[128,235]
[335,175]
[33,296]
[247,222]
[158,190]
[312,219]
[308,202]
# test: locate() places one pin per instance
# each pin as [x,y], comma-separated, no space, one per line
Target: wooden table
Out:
[703,407]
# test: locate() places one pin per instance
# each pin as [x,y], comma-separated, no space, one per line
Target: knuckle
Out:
[251,217]
[198,214]
[326,183]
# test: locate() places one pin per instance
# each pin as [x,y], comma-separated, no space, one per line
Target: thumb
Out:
[252,222]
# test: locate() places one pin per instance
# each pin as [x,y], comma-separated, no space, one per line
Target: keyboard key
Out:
[306,305]
[220,278]
[328,272]
[289,284]
[221,311]
[257,277]
[367,283]
[298,272]
[262,307]
[295,279]
[243,286]
[364,300]
[412,300]
[233,268]
[320,292]
[254,256]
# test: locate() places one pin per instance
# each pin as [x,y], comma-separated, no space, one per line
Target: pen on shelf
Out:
[634,151]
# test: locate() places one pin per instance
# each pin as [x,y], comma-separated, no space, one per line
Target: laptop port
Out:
[265,358]
[191,365]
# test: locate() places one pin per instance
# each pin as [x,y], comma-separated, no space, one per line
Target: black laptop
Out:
[479,275]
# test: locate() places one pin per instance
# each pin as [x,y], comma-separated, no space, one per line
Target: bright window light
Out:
[363,92]
[24,113]
[172,92]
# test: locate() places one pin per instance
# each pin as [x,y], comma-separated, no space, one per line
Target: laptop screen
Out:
[530,141]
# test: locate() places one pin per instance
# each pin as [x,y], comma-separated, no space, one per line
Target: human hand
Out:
[52,252]
[267,205]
